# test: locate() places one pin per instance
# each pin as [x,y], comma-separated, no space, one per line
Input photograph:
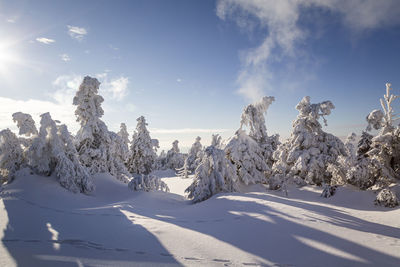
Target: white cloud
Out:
[119,87]
[58,111]
[179,80]
[44,40]
[114,88]
[65,57]
[283,32]
[77,33]
[66,87]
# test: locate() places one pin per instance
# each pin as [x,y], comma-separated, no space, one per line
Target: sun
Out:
[8,58]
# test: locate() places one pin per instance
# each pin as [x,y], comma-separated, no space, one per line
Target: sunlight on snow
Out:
[329,249]
[54,235]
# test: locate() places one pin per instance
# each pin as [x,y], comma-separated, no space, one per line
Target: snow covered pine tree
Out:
[53,151]
[252,153]
[142,154]
[378,162]
[174,159]
[305,156]
[192,160]
[215,174]
[98,149]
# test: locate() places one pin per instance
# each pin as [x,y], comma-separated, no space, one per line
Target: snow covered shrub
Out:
[215,174]
[329,190]
[53,151]
[94,143]
[306,155]
[142,154]
[252,153]
[174,159]
[147,182]
[11,155]
[192,160]
[386,198]
[378,162]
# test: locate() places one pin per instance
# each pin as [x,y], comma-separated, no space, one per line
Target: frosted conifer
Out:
[252,153]
[142,154]
[52,151]
[11,157]
[174,159]
[305,156]
[95,144]
[192,160]
[215,174]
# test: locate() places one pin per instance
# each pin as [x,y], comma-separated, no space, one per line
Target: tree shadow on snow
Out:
[278,237]
[47,235]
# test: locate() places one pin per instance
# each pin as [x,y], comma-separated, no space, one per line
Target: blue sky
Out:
[190,67]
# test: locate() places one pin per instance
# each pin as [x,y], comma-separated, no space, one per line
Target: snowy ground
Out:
[44,225]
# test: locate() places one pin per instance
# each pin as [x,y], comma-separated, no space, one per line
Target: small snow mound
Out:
[386,198]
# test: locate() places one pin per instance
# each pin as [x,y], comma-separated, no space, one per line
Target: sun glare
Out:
[8,58]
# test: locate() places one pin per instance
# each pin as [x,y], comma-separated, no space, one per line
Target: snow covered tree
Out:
[344,163]
[174,159]
[95,144]
[305,156]
[123,133]
[27,128]
[147,182]
[253,118]
[364,144]
[248,158]
[161,161]
[11,155]
[216,141]
[215,174]
[142,155]
[53,151]
[192,160]
[252,153]
[156,144]
[25,123]
[378,163]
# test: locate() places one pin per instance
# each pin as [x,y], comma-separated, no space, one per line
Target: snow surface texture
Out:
[42,224]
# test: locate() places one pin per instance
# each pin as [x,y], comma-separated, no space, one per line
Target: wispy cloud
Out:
[283,33]
[186,131]
[65,57]
[11,20]
[179,80]
[115,88]
[45,40]
[77,33]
